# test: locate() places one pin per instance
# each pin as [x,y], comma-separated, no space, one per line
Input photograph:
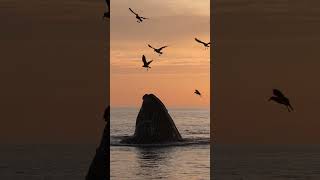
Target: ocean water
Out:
[189,160]
[266,162]
[231,162]
[45,162]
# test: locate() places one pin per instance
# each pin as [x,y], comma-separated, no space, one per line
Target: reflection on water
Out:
[150,161]
[138,163]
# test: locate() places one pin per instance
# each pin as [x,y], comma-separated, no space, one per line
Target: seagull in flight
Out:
[107,13]
[281,99]
[206,45]
[145,62]
[139,18]
[197,92]
[157,50]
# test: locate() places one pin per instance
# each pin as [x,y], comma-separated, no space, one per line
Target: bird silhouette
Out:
[107,13]
[157,50]
[281,99]
[145,62]
[139,18]
[206,45]
[197,92]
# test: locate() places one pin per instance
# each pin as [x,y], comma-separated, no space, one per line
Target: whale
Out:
[154,124]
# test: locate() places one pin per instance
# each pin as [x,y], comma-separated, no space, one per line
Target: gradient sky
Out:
[263,45]
[184,66]
[52,71]
[53,67]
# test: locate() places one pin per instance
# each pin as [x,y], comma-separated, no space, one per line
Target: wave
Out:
[116,141]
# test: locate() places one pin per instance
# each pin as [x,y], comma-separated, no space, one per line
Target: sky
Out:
[53,72]
[263,45]
[184,65]
[54,69]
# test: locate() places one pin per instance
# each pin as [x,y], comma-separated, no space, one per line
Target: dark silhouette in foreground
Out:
[206,45]
[107,13]
[197,92]
[281,99]
[145,62]
[154,125]
[99,168]
[139,18]
[157,50]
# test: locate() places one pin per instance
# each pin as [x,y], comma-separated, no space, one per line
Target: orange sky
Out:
[53,72]
[263,45]
[184,66]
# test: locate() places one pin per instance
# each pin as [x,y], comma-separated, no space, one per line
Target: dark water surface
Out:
[266,162]
[45,162]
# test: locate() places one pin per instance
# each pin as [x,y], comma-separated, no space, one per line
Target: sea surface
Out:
[189,160]
[45,162]
[266,162]
[231,162]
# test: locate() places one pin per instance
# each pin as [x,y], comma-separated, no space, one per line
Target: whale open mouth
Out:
[154,125]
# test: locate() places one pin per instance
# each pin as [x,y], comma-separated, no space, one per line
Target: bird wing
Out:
[133,11]
[278,93]
[144,59]
[151,46]
[149,62]
[196,91]
[199,41]
[162,47]
[143,17]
